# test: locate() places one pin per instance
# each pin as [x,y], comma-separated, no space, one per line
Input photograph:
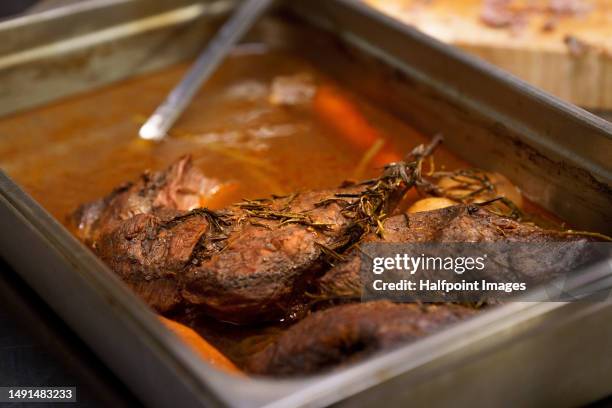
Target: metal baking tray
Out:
[516,354]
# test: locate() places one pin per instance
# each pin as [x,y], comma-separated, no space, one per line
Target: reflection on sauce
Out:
[79,149]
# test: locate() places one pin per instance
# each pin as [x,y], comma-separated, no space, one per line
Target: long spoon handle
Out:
[158,124]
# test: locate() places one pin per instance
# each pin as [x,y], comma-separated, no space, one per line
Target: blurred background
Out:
[561,46]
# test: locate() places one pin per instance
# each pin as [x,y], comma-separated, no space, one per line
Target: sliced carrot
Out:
[339,112]
[204,349]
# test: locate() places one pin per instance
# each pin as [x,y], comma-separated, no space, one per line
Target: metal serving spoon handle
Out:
[247,13]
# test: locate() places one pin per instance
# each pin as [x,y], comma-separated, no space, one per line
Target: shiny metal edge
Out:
[83,17]
[98,43]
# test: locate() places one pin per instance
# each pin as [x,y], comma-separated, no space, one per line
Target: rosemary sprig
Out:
[371,206]
[474,182]
[262,210]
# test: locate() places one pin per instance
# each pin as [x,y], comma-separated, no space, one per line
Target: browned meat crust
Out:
[346,333]
[460,223]
[179,187]
[141,210]
[264,268]
[150,251]
[234,267]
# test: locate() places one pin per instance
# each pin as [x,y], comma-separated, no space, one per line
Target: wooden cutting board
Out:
[536,50]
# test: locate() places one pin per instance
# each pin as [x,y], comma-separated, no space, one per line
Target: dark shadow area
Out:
[38,349]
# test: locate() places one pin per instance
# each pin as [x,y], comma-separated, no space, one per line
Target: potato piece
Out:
[430,204]
[456,187]
[506,188]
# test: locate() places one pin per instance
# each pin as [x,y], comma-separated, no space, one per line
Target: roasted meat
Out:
[459,223]
[246,264]
[263,260]
[235,266]
[346,333]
